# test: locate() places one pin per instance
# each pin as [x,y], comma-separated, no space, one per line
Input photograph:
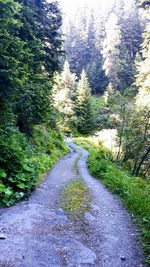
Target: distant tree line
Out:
[105,43]
[72,102]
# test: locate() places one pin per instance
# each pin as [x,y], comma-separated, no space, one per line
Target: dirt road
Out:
[39,233]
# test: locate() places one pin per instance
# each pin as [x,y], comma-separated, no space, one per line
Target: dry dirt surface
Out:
[38,233]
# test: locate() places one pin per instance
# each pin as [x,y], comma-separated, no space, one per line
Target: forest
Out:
[75,72]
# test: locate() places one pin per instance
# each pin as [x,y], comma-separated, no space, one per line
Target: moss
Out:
[76,198]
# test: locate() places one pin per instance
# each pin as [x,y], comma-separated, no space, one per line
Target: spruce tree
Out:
[29,55]
[12,71]
[111,50]
[42,20]
[143,68]
[40,24]
[131,32]
[83,108]
[83,50]
[63,95]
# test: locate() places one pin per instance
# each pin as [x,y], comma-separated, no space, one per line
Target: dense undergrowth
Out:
[23,162]
[134,191]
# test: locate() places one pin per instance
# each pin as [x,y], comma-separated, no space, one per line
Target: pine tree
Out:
[111,50]
[40,24]
[42,20]
[29,55]
[143,68]
[131,32]
[63,95]
[12,71]
[83,108]
[94,70]
[69,80]
[82,47]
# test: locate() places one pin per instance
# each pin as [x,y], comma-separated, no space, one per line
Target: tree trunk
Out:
[120,140]
[138,167]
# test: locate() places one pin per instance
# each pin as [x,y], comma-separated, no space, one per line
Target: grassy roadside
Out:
[133,191]
[25,162]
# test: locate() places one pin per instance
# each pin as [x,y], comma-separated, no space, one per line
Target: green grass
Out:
[133,191]
[76,198]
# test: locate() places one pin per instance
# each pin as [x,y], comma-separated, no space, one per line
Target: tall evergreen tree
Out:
[143,68]
[42,20]
[83,108]
[12,71]
[111,50]
[131,32]
[82,48]
[30,49]
[63,95]
[40,23]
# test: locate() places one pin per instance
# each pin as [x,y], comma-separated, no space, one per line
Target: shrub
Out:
[23,162]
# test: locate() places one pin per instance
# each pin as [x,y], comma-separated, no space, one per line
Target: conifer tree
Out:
[131,38]
[85,120]
[63,94]
[83,50]
[29,55]
[40,23]
[111,50]
[143,76]
[12,71]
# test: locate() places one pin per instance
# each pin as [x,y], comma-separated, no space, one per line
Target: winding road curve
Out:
[39,234]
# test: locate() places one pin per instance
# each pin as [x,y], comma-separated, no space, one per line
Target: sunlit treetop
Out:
[70,6]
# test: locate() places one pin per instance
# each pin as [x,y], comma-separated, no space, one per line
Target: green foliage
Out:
[29,56]
[83,142]
[83,106]
[132,124]
[27,61]
[72,103]
[104,42]
[63,96]
[23,163]
[134,191]
[12,72]
[20,172]
[105,118]
[81,47]
[143,75]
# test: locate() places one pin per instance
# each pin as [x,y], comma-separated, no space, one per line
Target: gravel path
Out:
[39,234]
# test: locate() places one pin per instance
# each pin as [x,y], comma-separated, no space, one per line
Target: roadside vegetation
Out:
[30,142]
[133,191]
[25,163]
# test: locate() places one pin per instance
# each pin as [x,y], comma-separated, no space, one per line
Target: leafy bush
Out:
[23,161]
